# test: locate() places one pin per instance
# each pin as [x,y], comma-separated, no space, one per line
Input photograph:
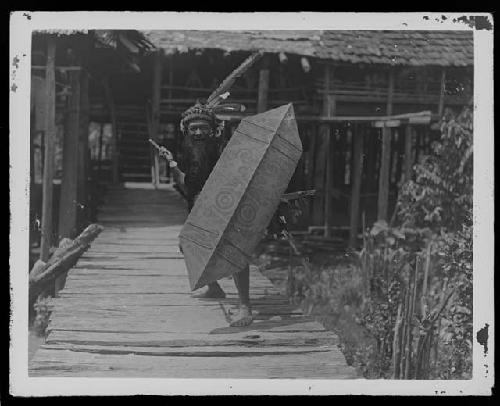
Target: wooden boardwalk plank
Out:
[127,311]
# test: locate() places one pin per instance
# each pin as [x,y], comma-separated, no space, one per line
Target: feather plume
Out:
[218,94]
[228,108]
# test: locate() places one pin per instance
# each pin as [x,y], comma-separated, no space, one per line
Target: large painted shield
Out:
[240,196]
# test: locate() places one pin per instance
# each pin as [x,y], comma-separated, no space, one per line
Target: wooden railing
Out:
[405,91]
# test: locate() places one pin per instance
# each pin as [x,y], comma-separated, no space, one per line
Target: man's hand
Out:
[162,151]
[165,153]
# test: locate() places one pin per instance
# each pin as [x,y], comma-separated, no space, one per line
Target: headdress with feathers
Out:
[208,110]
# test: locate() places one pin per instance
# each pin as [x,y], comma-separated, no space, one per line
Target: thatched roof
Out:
[408,48]
[132,40]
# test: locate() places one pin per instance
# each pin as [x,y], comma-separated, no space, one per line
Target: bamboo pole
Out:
[50,134]
[423,299]
[385,159]
[404,335]
[438,327]
[408,365]
[396,345]
[356,184]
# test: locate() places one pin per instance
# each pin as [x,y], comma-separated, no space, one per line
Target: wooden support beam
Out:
[49,140]
[310,168]
[442,92]
[155,113]
[328,178]
[387,123]
[408,158]
[423,117]
[385,158]
[263,90]
[358,140]
[99,151]
[383,185]
[115,150]
[319,175]
[328,111]
[83,145]
[68,201]
[59,68]
[390,92]
[170,79]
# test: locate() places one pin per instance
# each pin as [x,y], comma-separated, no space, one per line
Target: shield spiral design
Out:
[247,214]
[225,200]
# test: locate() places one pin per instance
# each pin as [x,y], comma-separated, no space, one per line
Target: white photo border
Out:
[22,24]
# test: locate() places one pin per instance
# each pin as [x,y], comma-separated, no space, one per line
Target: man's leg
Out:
[214,291]
[242,282]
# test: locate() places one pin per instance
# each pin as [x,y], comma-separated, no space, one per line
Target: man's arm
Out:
[288,197]
[165,153]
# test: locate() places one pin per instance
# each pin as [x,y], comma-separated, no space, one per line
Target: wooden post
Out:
[385,158]
[328,178]
[170,79]
[322,167]
[371,158]
[263,85]
[408,160]
[312,133]
[32,174]
[328,107]
[50,134]
[155,113]
[82,150]
[69,183]
[442,92]
[356,183]
[115,151]
[319,155]
[99,152]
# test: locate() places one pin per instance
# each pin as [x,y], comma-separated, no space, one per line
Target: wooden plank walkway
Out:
[127,311]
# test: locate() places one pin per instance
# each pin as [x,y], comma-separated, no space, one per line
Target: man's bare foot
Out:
[243,318]
[214,291]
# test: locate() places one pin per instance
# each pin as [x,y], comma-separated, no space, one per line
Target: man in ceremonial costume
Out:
[203,142]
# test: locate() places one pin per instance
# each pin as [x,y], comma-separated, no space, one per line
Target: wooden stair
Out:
[135,158]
